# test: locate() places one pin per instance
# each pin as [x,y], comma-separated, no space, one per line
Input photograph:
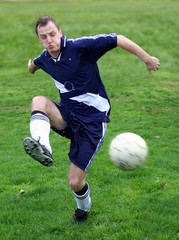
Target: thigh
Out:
[56,117]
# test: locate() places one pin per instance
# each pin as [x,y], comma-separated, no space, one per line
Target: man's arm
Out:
[32,67]
[152,63]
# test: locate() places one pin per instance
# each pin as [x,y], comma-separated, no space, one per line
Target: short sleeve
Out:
[96,45]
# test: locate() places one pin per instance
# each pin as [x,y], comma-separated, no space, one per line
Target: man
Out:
[83,111]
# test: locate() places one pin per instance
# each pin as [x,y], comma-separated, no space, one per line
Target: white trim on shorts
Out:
[100,143]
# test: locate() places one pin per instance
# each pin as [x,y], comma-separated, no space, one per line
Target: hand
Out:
[32,67]
[152,63]
[29,63]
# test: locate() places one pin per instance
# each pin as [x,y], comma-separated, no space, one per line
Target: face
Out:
[50,37]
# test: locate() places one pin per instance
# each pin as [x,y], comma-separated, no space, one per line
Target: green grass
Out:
[136,205]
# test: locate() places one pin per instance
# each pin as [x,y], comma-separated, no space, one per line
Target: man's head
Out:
[49,34]
[41,22]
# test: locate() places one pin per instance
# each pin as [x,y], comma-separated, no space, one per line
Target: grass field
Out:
[136,205]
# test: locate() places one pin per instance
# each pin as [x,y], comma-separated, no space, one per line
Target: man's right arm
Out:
[152,63]
[32,67]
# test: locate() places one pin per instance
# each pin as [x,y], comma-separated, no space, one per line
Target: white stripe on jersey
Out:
[92,37]
[60,86]
[94,100]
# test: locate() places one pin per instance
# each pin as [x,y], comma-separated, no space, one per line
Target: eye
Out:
[43,37]
[52,34]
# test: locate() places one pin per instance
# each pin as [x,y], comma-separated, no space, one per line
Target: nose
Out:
[49,39]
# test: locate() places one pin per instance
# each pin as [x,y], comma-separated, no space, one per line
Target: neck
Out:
[55,54]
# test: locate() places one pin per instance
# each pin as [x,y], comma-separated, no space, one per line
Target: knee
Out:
[38,99]
[39,103]
[75,183]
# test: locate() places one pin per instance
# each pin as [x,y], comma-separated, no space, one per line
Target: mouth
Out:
[50,46]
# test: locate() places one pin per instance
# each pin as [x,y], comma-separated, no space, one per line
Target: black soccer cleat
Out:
[80,215]
[37,151]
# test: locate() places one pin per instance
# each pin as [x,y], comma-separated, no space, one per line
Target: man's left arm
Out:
[152,63]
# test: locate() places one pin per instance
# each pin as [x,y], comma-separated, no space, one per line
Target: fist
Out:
[152,64]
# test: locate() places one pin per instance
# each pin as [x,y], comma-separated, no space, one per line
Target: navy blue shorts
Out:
[86,138]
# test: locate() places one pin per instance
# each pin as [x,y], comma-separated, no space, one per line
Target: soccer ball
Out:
[128,151]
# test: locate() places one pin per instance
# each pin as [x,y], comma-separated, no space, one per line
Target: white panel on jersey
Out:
[94,100]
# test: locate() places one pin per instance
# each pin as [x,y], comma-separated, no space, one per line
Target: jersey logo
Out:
[69,86]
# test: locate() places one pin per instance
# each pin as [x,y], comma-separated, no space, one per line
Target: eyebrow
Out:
[41,35]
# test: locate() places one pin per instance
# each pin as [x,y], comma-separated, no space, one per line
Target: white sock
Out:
[83,201]
[40,128]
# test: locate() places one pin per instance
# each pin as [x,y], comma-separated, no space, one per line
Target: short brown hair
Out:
[43,22]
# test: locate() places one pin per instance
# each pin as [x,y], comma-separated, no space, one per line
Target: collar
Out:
[63,45]
[63,41]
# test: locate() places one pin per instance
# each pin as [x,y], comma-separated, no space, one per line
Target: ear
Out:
[61,33]
[39,40]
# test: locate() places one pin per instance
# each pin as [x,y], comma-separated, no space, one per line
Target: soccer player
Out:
[83,112]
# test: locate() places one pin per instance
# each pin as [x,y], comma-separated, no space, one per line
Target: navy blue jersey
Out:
[76,75]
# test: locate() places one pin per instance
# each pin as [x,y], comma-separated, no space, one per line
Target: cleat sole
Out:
[35,151]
